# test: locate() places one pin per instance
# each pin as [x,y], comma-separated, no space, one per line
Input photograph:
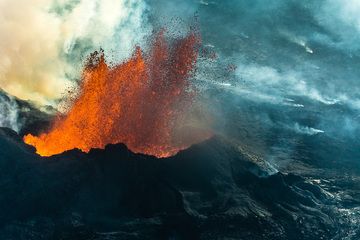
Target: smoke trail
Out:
[306,130]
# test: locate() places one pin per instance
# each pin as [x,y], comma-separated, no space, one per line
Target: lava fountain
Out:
[139,102]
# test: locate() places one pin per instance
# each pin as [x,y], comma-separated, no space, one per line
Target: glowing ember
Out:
[138,102]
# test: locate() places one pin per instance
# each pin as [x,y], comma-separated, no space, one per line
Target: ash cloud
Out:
[43,43]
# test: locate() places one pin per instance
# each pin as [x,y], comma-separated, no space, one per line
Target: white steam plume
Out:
[9,113]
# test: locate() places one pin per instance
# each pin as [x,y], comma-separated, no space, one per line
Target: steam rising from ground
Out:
[9,113]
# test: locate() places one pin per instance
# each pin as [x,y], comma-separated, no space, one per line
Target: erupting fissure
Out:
[138,102]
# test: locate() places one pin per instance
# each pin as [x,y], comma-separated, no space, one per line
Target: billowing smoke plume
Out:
[43,43]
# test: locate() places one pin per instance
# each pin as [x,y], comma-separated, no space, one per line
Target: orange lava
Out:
[139,103]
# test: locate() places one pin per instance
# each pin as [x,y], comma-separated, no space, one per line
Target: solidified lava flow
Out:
[138,102]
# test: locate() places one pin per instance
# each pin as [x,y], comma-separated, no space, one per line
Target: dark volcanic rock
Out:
[209,191]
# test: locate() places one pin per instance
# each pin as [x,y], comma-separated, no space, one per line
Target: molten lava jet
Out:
[139,103]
